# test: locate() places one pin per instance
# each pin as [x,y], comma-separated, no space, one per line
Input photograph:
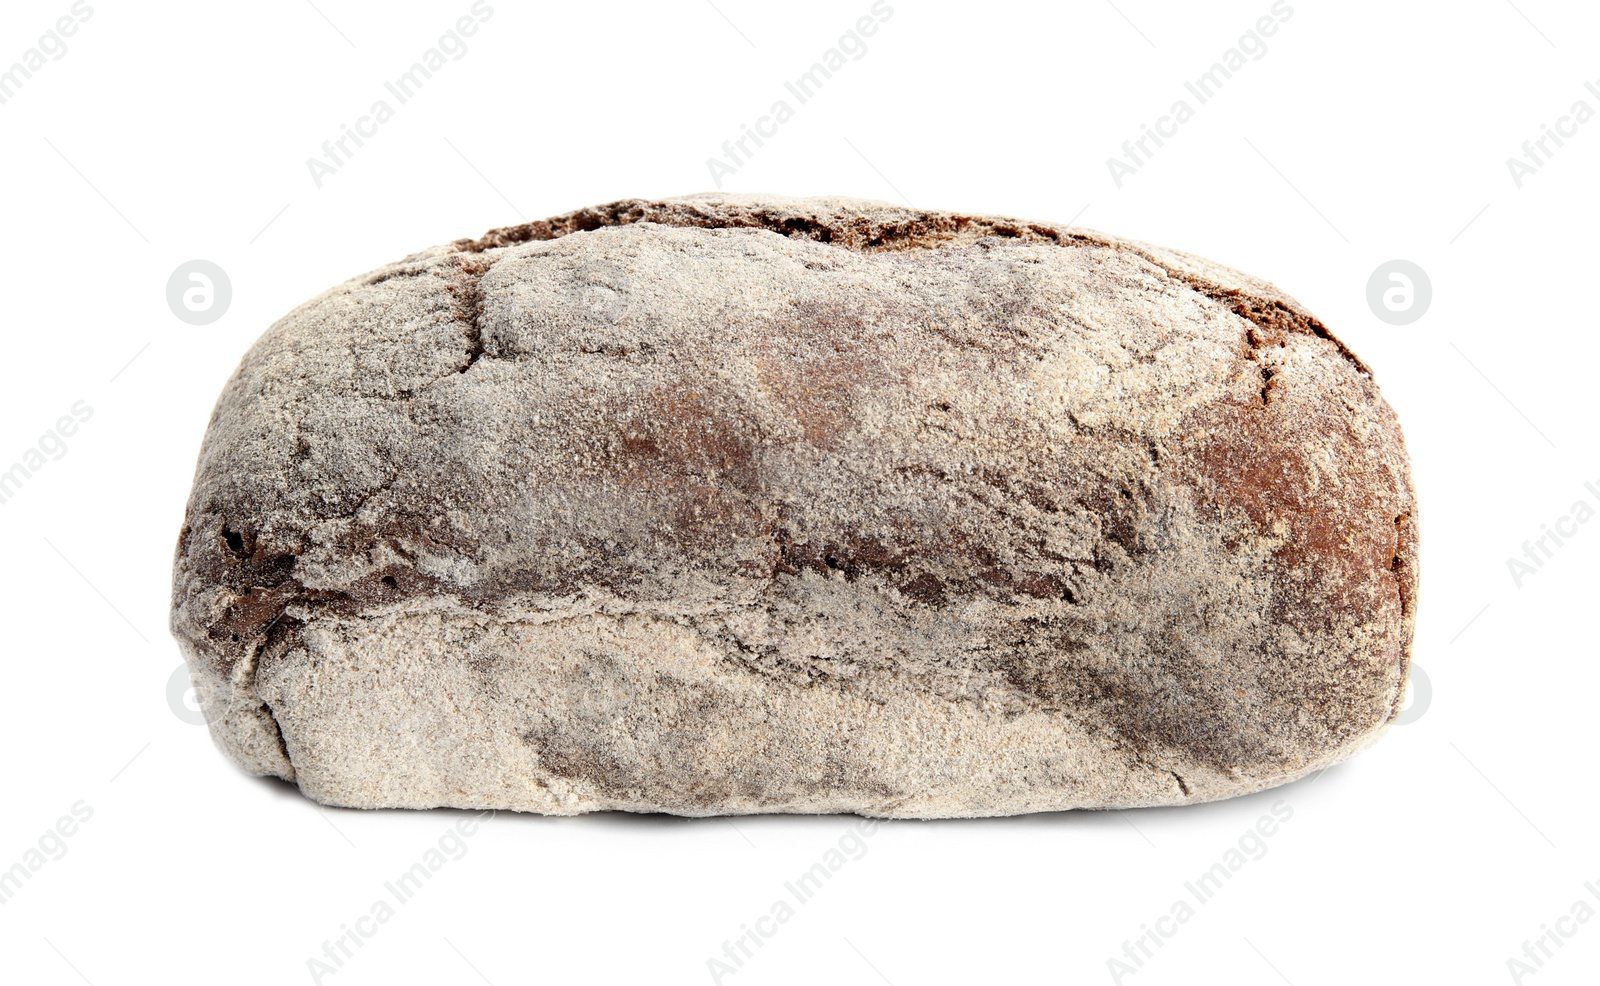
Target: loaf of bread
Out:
[730,504]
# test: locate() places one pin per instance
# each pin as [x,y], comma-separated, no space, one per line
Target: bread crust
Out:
[735,503]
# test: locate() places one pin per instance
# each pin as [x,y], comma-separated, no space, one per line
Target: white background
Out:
[1368,131]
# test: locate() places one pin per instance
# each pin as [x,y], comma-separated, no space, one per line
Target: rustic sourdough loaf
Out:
[746,504]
